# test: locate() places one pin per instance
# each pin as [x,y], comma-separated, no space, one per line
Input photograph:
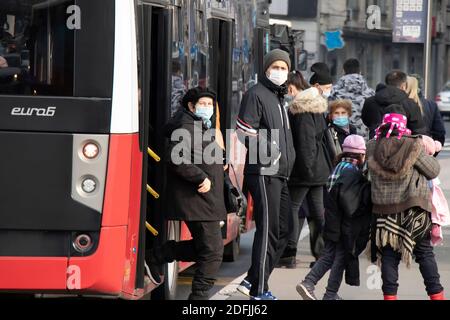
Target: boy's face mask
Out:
[278,77]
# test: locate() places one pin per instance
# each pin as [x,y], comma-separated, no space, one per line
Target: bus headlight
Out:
[91,150]
[88,185]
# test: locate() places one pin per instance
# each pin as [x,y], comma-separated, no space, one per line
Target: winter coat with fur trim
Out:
[396,188]
[312,166]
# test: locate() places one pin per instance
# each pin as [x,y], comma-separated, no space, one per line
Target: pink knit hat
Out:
[396,121]
[354,144]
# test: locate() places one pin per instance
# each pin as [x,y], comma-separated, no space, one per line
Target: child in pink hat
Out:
[347,223]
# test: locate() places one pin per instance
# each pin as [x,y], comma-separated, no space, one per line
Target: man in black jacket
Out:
[392,93]
[264,126]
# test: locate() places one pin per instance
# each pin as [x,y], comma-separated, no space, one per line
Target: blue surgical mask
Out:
[288,99]
[341,121]
[205,113]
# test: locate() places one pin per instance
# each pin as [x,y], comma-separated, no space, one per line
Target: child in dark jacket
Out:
[347,223]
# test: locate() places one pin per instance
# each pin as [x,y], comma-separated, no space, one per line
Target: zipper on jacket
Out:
[281,115]
[285,137]
[287,119]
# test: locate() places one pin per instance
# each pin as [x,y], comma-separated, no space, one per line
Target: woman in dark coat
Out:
[339,126]
[339,119]
[312,166]
[196,191]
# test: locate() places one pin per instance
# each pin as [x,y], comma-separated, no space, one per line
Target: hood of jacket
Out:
[387,95]
[351,86]
[392,159]
[309,101]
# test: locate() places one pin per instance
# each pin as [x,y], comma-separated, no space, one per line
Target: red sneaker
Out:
[437,296]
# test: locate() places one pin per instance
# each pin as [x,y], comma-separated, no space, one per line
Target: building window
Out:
[353,4]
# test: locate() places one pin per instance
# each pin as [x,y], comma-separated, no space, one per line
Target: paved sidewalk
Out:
[283,281]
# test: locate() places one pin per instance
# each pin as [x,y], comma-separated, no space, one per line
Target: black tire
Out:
[232,249]
[168,289]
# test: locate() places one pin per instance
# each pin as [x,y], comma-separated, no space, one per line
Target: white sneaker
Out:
[244,287]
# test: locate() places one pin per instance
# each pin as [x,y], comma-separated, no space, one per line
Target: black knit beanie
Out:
[321,74]
[195,94]
[276,55]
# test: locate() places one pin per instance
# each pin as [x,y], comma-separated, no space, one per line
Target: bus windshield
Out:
[36,48]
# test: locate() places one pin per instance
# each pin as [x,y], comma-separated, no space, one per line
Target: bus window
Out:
[199,46]
[178,62]
[237,77]
[220,66]
[38,48]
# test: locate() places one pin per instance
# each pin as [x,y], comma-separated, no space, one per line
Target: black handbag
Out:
[333,143]
[235,200]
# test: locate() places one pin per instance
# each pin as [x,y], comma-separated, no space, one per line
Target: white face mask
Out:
[326,94]
[278,77]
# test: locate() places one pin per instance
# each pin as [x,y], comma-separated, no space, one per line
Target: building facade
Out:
[372,46]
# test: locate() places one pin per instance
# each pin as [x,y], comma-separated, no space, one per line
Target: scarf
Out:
[346,163]
[401,231]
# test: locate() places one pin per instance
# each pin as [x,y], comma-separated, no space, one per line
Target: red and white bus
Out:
[85,89]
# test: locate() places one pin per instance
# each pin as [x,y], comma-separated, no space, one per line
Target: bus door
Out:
[220,66]
[220,71]
[155,76]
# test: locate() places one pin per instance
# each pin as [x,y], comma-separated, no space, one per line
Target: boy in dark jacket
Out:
[347,223]
[263,123]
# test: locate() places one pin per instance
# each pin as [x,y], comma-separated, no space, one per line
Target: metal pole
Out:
[319,30]
[427,57]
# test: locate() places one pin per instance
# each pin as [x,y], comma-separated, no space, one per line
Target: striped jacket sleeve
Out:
[249,115]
